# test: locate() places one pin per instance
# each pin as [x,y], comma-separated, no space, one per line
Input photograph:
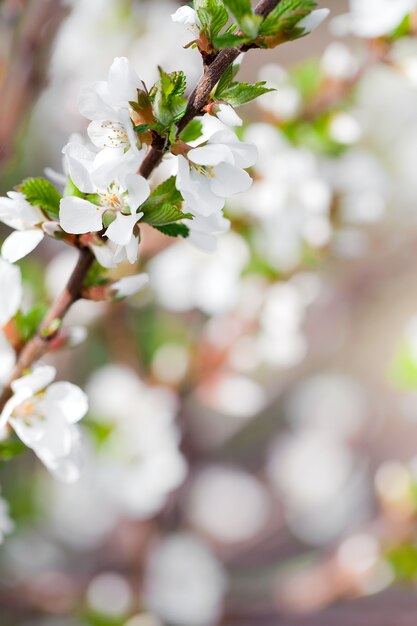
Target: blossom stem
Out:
[201,94]
[39,344]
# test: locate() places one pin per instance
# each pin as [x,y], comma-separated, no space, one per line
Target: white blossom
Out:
[43,415]
[372,18]
[10,291]
[117,202]
[106,103]
[215,170]
[313,20]
[25,219]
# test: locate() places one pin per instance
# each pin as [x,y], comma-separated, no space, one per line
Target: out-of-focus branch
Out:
[25,71]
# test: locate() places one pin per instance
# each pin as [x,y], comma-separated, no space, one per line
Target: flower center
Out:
[204,170]
[114,198]
[116,135]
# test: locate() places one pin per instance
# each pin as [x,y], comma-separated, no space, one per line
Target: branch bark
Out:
[39,344]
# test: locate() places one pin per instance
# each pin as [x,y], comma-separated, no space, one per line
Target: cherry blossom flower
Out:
[114,207]
[43,415]
[373,18]
[215,170]
[187,16]
[106,103]
[25,219]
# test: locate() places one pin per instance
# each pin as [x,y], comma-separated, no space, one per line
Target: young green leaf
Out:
[241,93]
[40,192]
[27,324]
[229,40]
[168,103]
[174,230]
[285,16]
[164,214]
[165,193]
[192,131]
[247,20]
[226,79]
[212,15]
[71,189]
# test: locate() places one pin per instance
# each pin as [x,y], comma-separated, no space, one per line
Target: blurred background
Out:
[251,444]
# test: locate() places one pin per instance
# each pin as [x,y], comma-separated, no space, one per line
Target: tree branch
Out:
[39,344]
[48,329]
[201,94]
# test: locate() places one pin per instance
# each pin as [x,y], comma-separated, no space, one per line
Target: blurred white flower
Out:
[44,415]
[228,503]
[110,594]
[185,583]
[372,18]
[140,459]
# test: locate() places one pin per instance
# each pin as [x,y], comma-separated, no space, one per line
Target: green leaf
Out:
[239,8]
[229,40]
[192,131]
[226,79]
[95,276]
[168,103]
[165,193]
[27,324]
[247,20]
[250,25]
[241,93]
[285,16]
[213,16]
[164,214]
[40,192]
[143,128]
[71,189]
[10,448]
[164,205]
[174,230]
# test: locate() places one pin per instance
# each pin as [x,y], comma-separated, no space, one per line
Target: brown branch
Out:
[201,94]
[39,344]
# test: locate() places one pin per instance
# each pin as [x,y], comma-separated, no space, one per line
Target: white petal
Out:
[123,81]
[230,180]
[211,154]
[93,102]
[104,255]
[138,190]
[10,291]
[112,164]
[80,162]
[196,190]
[20,243]
[228,115]
[66,468]
[68,399]
[185,15]
[78,216]
[121,229]
[15,401]
[132,250]
[313,20]
[129,285]
[38,379]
